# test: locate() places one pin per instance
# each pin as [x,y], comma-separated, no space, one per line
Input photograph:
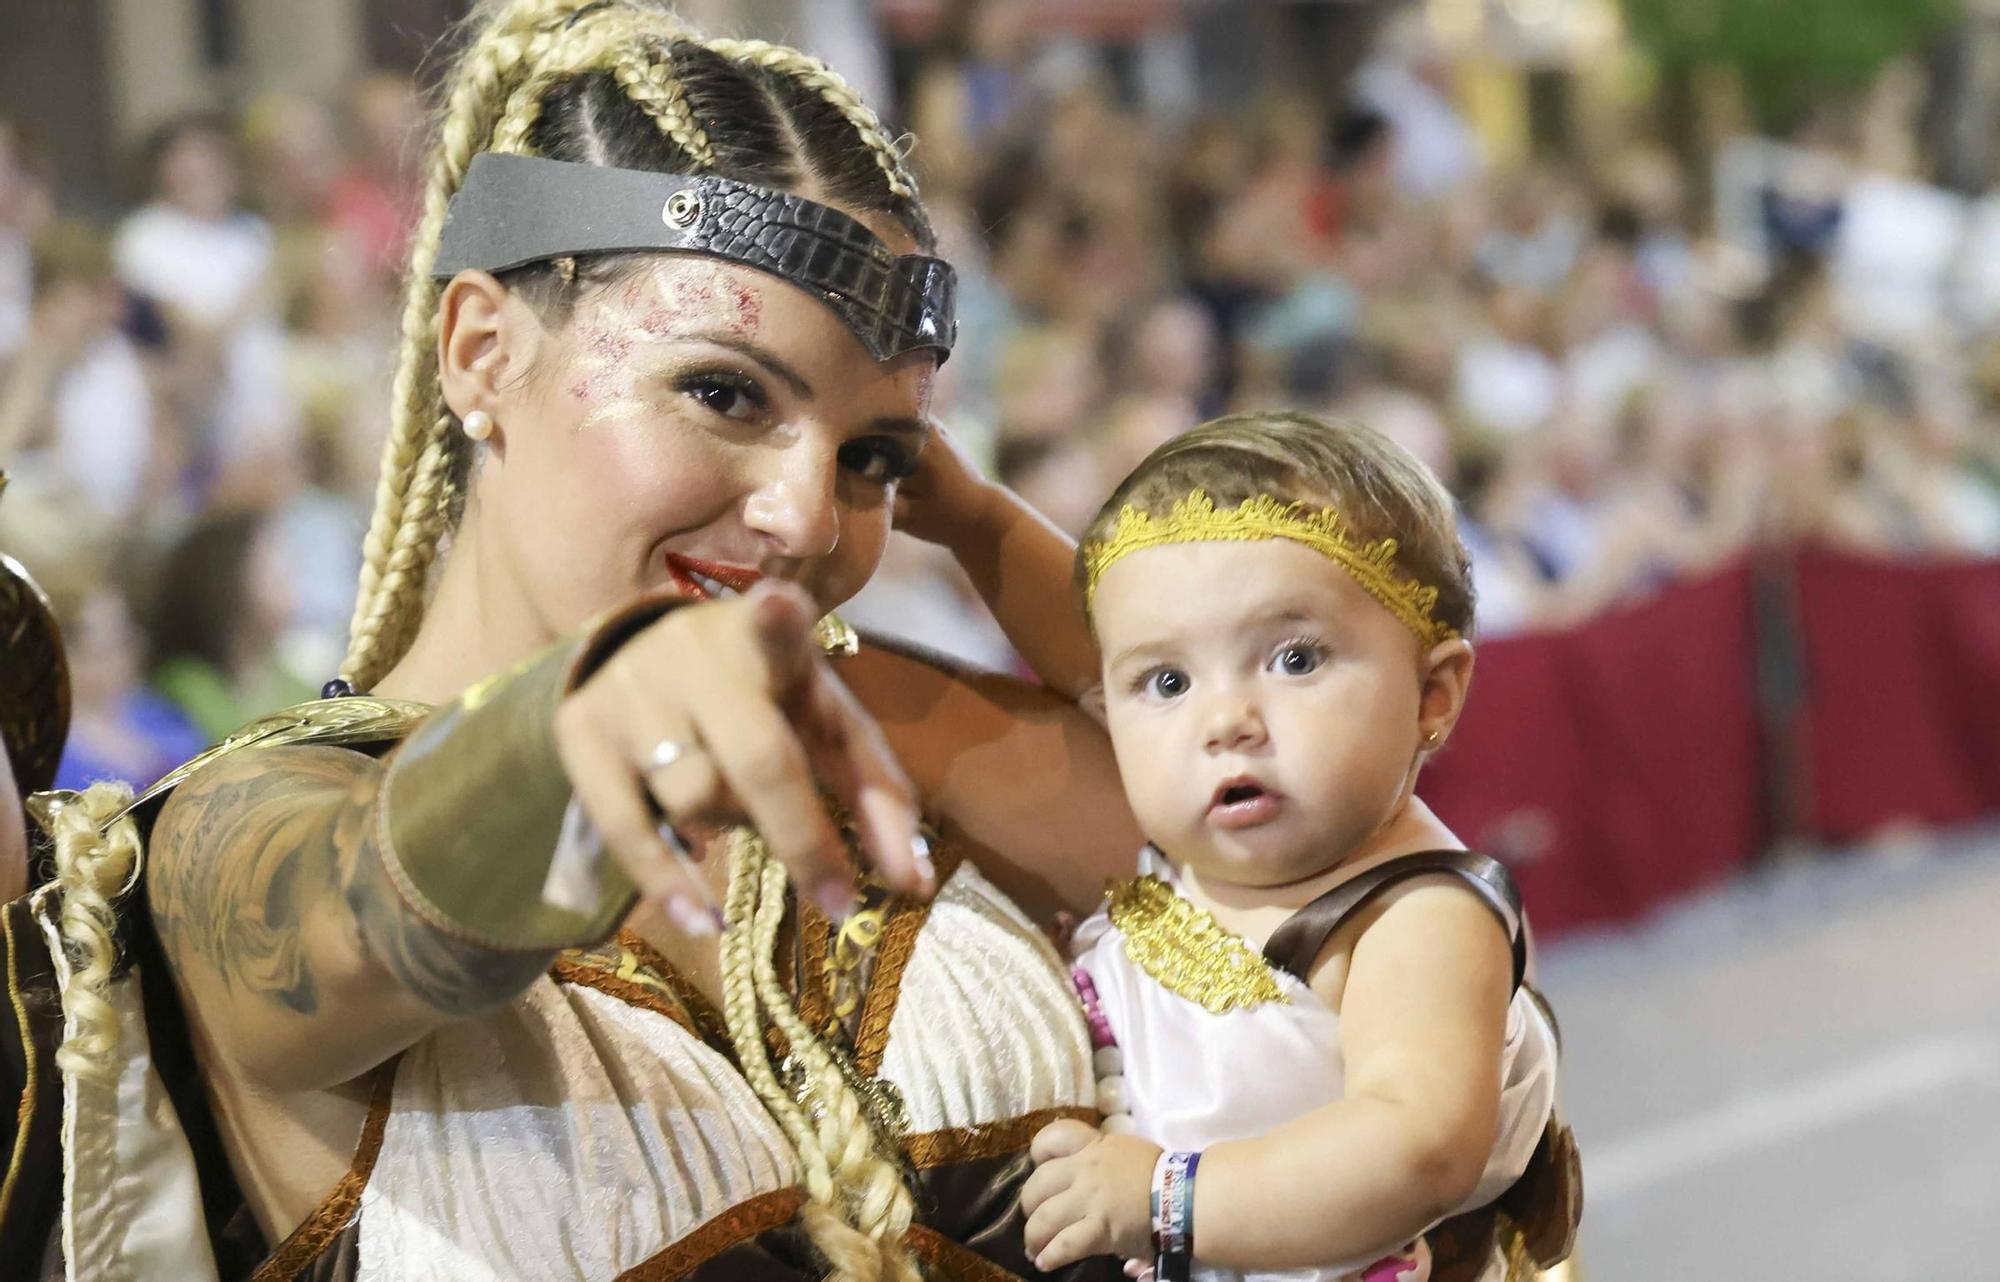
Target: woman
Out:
[623,395]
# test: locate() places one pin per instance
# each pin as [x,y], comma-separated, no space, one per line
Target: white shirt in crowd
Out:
[202,267]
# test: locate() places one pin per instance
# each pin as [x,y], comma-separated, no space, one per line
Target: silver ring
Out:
[666,752]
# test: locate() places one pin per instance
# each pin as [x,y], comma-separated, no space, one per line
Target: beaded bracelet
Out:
[1173,1216]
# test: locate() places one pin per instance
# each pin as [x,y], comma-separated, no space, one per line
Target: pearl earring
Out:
[478,425]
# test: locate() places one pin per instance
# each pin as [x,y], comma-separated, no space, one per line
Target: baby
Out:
[1316,1043]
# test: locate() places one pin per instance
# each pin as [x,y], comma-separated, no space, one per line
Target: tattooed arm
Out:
[292,950]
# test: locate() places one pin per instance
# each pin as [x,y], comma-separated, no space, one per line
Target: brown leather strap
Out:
[1297,941]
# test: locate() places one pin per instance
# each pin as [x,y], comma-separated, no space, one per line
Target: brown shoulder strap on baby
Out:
[1534,1222]
[1297,941]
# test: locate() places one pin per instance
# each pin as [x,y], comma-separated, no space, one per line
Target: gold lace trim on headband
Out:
[1195,519]
[1187,951]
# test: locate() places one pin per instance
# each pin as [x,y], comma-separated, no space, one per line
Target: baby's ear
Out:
[1447,680]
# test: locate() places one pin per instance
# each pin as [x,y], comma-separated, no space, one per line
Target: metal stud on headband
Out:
[515,210]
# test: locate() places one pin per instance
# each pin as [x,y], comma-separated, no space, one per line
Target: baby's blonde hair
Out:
[1379,488]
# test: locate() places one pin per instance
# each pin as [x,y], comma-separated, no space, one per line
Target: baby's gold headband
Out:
[1195,520]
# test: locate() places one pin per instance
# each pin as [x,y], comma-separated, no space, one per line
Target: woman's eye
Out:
[1297,658]
[878,461]
[1165,683]
[735,398]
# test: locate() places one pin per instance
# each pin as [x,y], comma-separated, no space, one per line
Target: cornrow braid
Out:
[660,94]
[593,39]
[830,86]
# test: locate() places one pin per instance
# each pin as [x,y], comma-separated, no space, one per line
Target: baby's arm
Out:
[1020,564]
[1423,1019]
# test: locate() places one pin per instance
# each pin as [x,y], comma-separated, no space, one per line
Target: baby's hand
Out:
[1091,1194]
[946,496]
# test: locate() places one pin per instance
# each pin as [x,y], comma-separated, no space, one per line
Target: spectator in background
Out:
[292,157]
[373,201]
[192,248]
[24,208]
[1506,381]
[119,729]
[206,263]
[1536,235]
[78,406]
[224,601]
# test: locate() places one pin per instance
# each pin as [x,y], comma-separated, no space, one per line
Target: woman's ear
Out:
[1447,678]
[482,346]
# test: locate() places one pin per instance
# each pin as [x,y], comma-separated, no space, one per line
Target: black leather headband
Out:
[515,210]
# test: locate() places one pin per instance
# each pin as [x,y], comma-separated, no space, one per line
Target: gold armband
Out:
[472,805]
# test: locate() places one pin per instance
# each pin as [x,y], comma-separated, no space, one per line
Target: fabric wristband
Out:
[1173,1216]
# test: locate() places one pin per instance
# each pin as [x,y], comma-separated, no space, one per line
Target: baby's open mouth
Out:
[1242,802]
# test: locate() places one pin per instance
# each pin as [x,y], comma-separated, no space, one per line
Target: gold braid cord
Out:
[1196,519]
[1188,952]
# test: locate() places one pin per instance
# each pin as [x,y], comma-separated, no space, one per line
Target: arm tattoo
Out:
[449,974]
[253,855]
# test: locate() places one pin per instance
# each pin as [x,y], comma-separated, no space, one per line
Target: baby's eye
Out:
[1165,683]
[1297,658]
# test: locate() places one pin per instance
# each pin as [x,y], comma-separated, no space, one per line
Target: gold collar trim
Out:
[1187,951]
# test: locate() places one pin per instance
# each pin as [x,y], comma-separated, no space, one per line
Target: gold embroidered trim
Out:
[813,939]
[356,719]
[1195,520]
[1190,953]
[632,991]
[318,1230]
[633,971]
[738,1224]
[885,985]
[950,1261]
[988,1139]
[25,1117]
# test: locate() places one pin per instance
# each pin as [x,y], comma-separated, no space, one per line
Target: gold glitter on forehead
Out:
[1195,519]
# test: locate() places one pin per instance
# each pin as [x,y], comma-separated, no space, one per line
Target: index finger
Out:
[759,755]
[857,762]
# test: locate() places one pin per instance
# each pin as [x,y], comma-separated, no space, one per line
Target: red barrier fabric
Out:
[1621,763]
[1615,765]
[1902,671]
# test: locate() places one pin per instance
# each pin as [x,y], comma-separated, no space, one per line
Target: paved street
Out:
[1797,1077]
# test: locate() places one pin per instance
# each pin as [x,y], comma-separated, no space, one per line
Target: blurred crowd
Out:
[1628,370]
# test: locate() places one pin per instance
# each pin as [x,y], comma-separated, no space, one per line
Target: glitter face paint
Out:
[662,305]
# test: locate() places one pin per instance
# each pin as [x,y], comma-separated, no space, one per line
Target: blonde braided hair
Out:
[830,86]
[410,516]
[858,1206]
[660,95]
[97,859]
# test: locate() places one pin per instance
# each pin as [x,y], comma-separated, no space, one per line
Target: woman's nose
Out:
[797,507]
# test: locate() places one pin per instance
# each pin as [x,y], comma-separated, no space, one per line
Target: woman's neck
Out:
[476,624]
